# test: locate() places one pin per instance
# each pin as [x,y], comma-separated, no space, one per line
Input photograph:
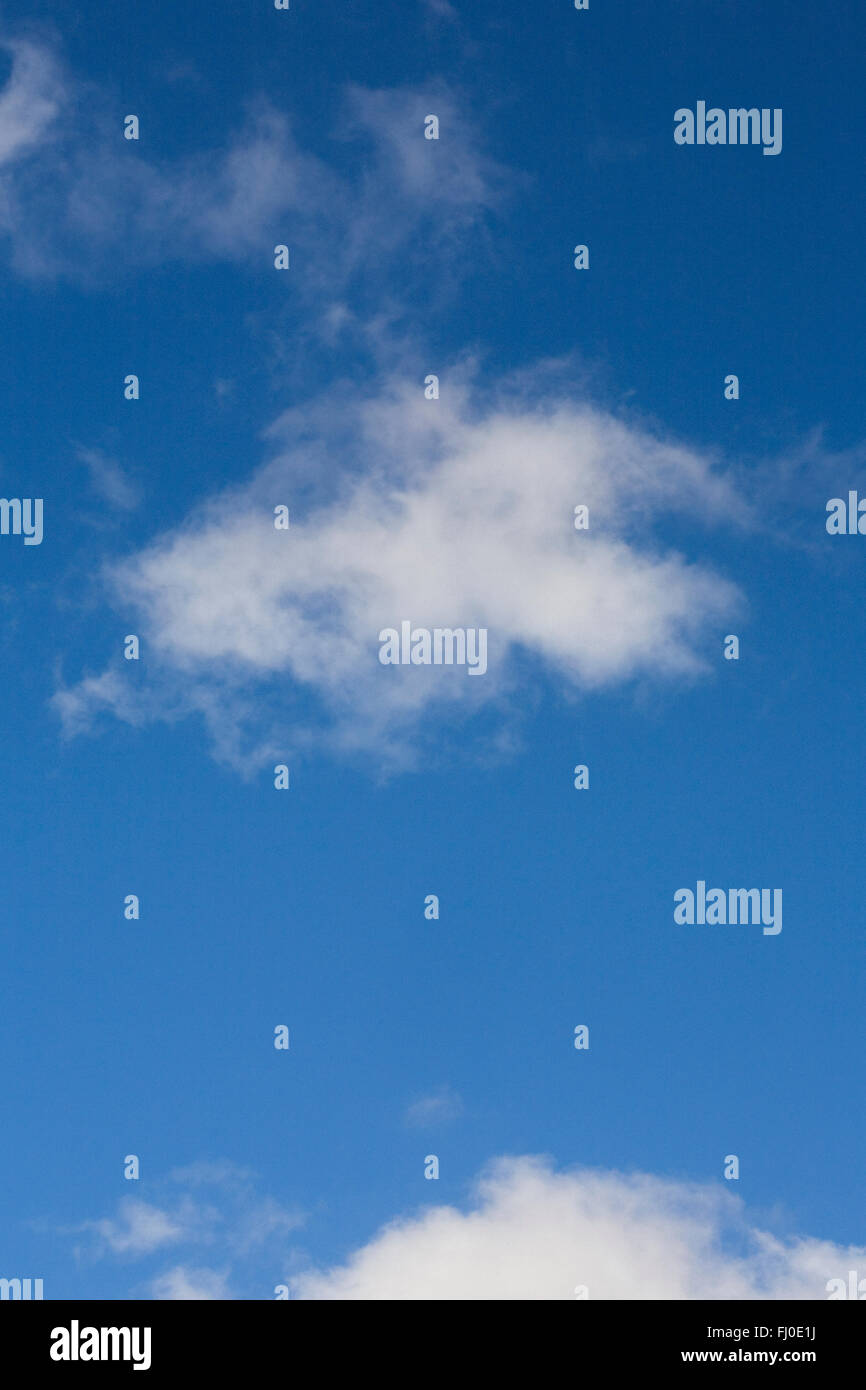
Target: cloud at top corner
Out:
[457,512]
[80,201]
[31,98]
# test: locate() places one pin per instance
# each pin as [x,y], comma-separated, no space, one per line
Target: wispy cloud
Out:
[108,479]
[215,1208]
[182,1285]
[439,1108]
[138,1228]
[79,200]
[30,101]
[442,9]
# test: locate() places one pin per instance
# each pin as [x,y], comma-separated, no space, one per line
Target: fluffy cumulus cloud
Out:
[537,1234]
[449,513]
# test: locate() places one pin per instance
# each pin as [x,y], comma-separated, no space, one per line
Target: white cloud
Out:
[185,1285]
[139,1228]
[449,513]
[109,480]
[432,177]
[30,100]
[78,199]
[528,1231]
[207,1206]
[537,1234]
[92,203]
[443,9]
[440,1108]
[221,1173]
[79,705]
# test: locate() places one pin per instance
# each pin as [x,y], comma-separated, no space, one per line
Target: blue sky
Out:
[258,387]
